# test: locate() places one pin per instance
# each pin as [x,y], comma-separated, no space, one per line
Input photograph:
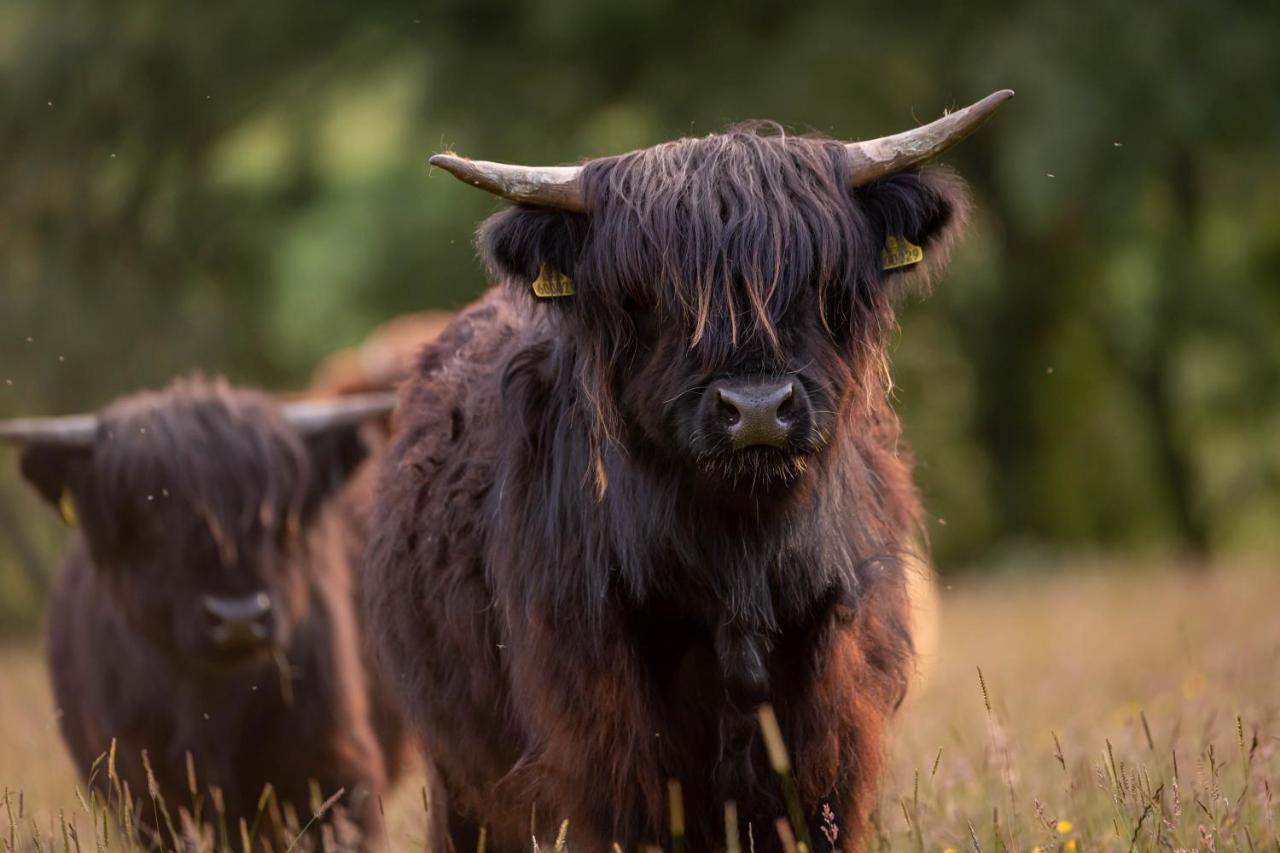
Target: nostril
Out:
[786,403]
[728,408]
[263,627]
[239,621]
[212,619]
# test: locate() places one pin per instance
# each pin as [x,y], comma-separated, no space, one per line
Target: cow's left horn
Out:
[543,186]
[310,416]
[69,431]
[877,158]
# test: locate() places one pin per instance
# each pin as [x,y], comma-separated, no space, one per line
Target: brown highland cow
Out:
[206,606]
[652,481]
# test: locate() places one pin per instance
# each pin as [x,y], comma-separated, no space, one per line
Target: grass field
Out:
[1114,711]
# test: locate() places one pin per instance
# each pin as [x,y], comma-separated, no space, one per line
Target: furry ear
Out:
[335,454]
[516,243]
[928,207]
[67,479]
[55,471]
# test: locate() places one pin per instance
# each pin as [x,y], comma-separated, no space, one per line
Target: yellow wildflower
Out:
[1064,826]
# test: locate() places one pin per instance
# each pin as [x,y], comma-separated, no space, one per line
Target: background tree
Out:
[242,187]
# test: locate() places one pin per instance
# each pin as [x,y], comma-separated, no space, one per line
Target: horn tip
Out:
[453,164]
[983,109]
[998,97]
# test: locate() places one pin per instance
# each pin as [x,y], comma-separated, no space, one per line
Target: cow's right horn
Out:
[310,416]
[542,186]
[888,155]
[68,431]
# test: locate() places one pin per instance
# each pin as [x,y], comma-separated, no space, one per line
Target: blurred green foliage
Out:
[242,187]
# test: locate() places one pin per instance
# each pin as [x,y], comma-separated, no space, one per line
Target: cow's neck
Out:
[661,537]
[728,556]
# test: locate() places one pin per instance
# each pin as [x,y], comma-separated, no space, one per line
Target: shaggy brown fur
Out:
[203,489]
[578,591]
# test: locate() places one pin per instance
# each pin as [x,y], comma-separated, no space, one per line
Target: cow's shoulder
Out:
[440,464]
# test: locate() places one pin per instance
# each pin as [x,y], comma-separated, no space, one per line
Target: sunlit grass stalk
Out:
[66,835]
[220,812]
[158,807]
[123,808]
[75,834]
[785,835]
[315,816]
[732,844]
[911,814]
[113,779]
[778,758]
[675,810]
[193,789]
[35,837]
[12,844]
[1000,746]
[1146,730]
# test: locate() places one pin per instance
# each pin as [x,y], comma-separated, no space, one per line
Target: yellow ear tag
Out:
[67,507]
[551,283]
[900,252]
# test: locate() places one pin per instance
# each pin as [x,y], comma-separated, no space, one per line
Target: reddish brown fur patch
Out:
[383,360]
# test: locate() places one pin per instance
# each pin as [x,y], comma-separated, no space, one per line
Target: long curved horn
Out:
[69,431]
[559,187]
[310,416]
[544,186]
[306,415]
[877,158]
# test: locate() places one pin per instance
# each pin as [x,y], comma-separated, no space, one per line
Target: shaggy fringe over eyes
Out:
[201,447]
[727,230]
[730,231]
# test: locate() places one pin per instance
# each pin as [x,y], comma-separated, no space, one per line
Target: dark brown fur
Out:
[203,489]
[578,595]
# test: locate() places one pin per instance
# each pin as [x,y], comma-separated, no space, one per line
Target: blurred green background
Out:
[242,187]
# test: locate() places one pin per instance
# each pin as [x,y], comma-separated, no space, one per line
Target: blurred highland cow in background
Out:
[205,603]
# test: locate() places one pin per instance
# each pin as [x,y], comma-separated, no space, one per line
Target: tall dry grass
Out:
[1096,709]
